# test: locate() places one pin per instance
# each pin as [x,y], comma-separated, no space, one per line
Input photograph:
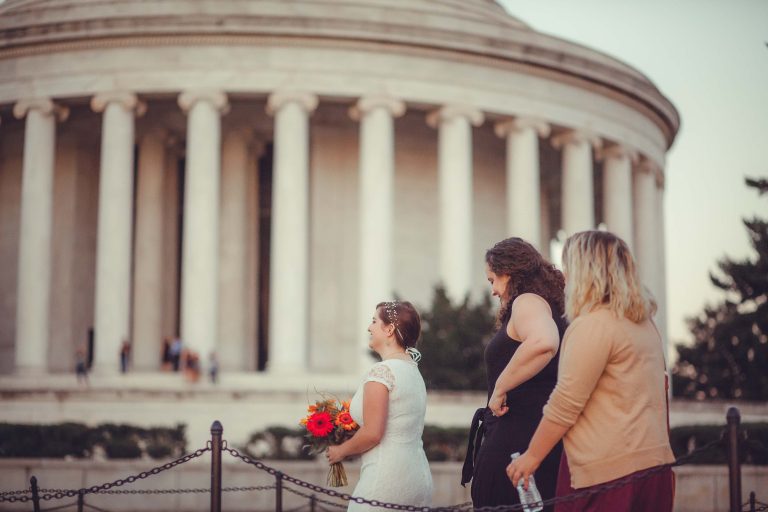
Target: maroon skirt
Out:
[655,493]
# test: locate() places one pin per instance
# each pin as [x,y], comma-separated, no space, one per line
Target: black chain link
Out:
[759,507]
[57,494]
[466,506]
[49,494]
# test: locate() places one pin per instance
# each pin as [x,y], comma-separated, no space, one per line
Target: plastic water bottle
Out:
[530,499]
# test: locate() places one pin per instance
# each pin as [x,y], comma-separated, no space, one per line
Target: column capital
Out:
[45,105]
[394,106]
[617,151]
[448,112]
[646,165]
[504,128]
[576,137]
[128,100]
[218,99]
[279,99]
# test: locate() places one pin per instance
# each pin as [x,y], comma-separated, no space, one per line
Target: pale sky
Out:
[709,57]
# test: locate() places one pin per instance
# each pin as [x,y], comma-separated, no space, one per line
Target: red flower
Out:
[320,424]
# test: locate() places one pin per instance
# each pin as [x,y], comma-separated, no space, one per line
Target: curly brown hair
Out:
[529,272]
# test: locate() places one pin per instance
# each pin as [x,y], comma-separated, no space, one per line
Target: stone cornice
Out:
[479,36]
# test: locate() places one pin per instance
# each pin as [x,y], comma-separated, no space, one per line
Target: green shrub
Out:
[279,443]
[453,342]
[754,449]
[79,441]
[445,444]
[122,448]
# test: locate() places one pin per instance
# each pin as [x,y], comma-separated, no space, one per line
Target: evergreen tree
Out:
[453,342]
[729,356]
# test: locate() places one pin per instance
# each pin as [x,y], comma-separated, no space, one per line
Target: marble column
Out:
[645,223]
[617,191]
[578,201]
[148,276]
[234,284]
[661,262]
[289,251]
[523,176]
[113,245]
[34,277]
[200,239]
[376,206]
[454,183]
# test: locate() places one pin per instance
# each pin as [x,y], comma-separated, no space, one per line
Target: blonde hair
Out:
[600,271]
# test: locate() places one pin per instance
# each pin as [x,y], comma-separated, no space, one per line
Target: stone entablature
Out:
[476,31]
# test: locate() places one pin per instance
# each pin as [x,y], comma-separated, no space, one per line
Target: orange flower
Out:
[320,424]
[303,421]
[345,421]
[312,408]
[345,406]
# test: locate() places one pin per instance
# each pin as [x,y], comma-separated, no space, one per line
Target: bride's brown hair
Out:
[405,318]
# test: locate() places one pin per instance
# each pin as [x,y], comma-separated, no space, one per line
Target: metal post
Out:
[80,501]
[216,432]
[734,467]
[313,502]
[35,494]
[278,491]
[752,501]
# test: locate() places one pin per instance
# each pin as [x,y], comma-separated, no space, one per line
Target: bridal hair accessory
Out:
[414,353]
[390,308]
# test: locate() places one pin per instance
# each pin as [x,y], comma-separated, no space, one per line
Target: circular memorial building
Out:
[254,176]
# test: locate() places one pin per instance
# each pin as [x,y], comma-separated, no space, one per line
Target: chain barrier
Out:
[50,494]
[758,507]
[57,494]
[467,506]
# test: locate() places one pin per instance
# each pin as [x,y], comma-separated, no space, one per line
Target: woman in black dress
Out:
[521,363]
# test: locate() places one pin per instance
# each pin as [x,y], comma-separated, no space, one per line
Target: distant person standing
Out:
[166,362]
[81,367]
[175,352]
[213,368]
[125,355]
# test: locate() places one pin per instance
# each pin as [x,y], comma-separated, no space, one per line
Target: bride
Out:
[389,406]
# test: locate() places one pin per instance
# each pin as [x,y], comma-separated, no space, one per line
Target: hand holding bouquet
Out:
[329,423]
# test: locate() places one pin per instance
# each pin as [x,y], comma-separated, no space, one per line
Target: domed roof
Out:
[472,28]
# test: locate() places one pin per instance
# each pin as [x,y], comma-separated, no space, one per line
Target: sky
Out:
[710,58]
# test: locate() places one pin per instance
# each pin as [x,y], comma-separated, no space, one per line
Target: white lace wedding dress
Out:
[395,471]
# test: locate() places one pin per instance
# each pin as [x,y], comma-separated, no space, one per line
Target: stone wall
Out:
[699,488]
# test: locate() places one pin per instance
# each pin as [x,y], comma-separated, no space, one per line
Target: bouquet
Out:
[329,423]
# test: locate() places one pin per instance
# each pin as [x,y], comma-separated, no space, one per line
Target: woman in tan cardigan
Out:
[609,404]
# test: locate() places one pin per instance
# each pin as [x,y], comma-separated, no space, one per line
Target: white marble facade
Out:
[196,168]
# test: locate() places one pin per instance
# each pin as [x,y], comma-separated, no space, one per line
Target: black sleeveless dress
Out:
[493,440]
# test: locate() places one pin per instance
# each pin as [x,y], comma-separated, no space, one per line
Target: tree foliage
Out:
[729,355]
[453,341]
